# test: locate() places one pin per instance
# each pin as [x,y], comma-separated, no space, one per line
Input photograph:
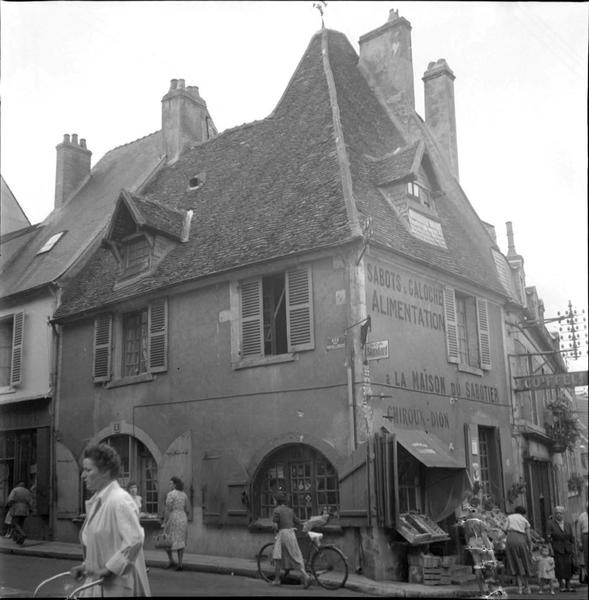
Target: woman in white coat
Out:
[111,536]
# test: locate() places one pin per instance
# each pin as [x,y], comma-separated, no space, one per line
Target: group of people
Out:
[112,536]
[557,557]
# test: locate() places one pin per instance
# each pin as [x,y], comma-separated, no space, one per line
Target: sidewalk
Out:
[245,567]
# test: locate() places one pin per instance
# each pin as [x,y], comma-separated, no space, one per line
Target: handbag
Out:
[163,540]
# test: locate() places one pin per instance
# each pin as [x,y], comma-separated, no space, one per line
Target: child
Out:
[546,573]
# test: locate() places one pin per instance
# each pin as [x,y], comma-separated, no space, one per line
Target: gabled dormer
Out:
[407,180]
[141,232]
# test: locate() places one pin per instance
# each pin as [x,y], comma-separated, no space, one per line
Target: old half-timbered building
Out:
[308,302]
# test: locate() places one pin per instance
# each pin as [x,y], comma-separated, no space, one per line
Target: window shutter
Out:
[252,322]
[102,347]
[299,306]
[384,475]
[18,324]
[158,335]
[484,338]
[354,495]
[451,325]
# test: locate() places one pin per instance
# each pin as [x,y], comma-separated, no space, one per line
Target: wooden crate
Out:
[430,561]
[432,575]
[415,574]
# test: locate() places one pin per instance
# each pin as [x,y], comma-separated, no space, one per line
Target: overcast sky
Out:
[100,69]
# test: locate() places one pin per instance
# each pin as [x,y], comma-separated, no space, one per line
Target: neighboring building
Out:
[537,453]
[36,263]
[12,216]
[308,302]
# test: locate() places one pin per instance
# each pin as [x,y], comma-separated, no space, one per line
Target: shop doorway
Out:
[539,494]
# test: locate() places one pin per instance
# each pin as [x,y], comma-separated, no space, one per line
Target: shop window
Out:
[11,349]
[489,457]
[467,330]
[24,456]
[410,482]
[139,338]
[276,314]
[305,475]
[138,465]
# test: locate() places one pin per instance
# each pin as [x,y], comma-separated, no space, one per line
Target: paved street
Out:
[19,575]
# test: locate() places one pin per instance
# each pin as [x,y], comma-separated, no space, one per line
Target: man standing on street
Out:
[20,501]
[582,535]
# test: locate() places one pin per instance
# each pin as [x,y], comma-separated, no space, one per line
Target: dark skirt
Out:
[518,558]
[563,566]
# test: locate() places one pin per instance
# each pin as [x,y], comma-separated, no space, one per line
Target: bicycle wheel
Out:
[264,559]
[330,568]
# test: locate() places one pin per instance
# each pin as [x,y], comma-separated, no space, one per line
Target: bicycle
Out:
[327,563]
[71,591]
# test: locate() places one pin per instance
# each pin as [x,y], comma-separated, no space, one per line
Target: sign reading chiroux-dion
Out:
[405,297]
[543,382]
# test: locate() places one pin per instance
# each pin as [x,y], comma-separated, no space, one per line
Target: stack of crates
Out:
[429,569]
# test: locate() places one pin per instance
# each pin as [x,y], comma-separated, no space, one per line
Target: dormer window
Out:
[421,194]
[136,256]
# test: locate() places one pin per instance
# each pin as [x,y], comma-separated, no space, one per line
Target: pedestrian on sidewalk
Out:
[560,535]
[286,553]
[20,501]
[582,535]
[176,521]
[111,535]
[518,547]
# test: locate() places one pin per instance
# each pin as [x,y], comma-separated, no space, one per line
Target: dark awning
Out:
[428,449]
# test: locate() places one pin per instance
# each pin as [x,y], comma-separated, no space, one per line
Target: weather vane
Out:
[320,6]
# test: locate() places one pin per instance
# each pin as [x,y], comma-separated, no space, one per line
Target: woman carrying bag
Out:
[175,526]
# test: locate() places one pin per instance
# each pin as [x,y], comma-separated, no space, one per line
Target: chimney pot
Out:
[510,243]
[393,14]
[173,84]
[185,119]
[73,166]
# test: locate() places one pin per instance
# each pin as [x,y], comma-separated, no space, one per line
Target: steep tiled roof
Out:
[84,217]
[400,163]
[12,216]
[276,187]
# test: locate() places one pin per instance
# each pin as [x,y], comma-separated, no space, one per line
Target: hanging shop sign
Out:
[544,382]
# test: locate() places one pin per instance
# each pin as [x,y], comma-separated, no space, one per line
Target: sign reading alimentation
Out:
[544,382]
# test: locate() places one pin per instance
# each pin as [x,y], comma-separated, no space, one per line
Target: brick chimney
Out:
[385,56]
[73,166]
[440,113]
[185,119]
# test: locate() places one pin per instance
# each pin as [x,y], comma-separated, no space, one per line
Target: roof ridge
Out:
[340,146]
[125,144]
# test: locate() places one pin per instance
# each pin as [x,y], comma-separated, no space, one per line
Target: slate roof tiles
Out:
[273,188]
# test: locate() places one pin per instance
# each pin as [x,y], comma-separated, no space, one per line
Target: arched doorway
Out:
[137,465]
[304,474]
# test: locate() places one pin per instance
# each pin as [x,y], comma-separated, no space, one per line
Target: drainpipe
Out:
[56,347]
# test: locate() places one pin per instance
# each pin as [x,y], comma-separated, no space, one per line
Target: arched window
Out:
[308,478]
[138,465]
